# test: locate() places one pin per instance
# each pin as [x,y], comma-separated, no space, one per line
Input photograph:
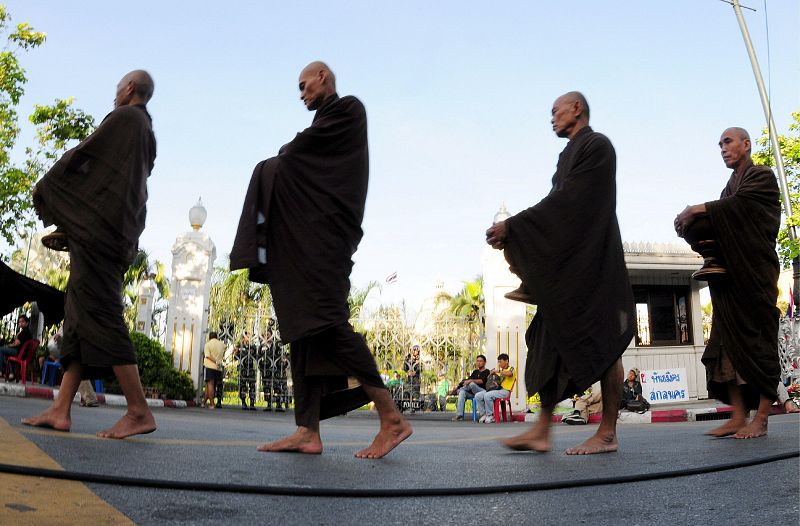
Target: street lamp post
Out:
[776,151]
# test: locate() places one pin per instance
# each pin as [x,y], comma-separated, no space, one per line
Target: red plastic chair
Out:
[22,360]
[504,401]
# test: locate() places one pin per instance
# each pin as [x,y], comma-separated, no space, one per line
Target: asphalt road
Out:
[219,446]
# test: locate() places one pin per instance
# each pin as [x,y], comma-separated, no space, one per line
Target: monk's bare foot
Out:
[791,407]
[301,441]
[727,429]
[389,437]
[49,419]
[130,425]
[600,442]
[537,438]
[756,428]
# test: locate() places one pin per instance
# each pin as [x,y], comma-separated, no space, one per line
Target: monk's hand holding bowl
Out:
[684,219]
[496,235]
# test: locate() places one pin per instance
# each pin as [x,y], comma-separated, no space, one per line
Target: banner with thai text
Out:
[664,386]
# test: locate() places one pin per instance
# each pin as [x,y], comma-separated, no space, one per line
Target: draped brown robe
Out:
[97,192]
[299,228]
[746,219]
[568,251]
[310,199]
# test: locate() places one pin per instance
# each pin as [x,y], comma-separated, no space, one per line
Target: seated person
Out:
[631,389]
[442,389]
[589,404]
[785,400]
[53,351]
[471,386]
[485,399]
[394,381]
[14,347]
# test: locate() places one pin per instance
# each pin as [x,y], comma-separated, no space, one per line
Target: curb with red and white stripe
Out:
[658,416]
[32,391]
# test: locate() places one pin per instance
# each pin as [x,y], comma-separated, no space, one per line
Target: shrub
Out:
[176,384]
[152,359]
[156,370]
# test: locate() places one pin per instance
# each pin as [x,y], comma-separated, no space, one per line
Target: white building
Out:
[668,310]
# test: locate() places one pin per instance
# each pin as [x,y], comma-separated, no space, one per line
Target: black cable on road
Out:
[308,491]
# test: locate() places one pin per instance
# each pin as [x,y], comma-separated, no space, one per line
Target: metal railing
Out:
[257,362]
[789,349]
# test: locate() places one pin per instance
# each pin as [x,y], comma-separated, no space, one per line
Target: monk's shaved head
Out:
[144,83]
[570,113]
[136,87]
[735,147]
[577,96]
[317,67]
[740,133]
[317,82]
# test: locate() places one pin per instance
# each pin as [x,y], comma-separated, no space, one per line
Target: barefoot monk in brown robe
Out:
[741,357]
[96,194]
[568,252]
[299,229]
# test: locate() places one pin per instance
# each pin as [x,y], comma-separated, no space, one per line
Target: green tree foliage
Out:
[155,370]
[469,302]
[790,151]
[57,125]
[233,292]
[237,305]
[143,267]
[40,263]
[357,297]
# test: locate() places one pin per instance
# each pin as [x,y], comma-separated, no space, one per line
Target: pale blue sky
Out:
[458,96]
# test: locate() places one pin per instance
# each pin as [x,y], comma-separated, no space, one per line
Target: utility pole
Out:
[776,151]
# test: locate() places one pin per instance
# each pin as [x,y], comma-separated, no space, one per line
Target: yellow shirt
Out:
[214,354]
[508,381]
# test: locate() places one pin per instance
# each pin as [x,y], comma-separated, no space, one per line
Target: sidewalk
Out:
[44,391]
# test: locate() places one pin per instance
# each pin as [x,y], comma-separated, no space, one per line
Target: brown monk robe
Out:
[568,252]
[300,225]
[97,193]
[741,358]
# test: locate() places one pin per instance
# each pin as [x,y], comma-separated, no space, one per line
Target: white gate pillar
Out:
[144,306]
[505,319]
[193,256]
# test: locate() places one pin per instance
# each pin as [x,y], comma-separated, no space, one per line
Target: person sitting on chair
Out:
[15,346]
[53,351]
[485,399]
[471,386]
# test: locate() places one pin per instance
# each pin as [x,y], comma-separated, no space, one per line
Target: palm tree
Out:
[140,269]
[469,302]
[233,290]
[237,305]
[357,297]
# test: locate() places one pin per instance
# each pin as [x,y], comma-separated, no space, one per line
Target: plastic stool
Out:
[49,370]
[500,404]
[474,409]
